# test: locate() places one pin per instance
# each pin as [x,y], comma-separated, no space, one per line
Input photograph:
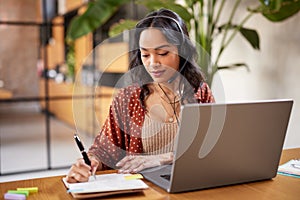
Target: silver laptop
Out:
[224,144]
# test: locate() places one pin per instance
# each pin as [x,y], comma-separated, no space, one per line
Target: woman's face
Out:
[159,57]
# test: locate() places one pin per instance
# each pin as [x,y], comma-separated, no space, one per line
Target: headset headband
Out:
[167,17]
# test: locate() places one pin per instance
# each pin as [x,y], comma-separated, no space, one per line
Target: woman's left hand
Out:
[134,164]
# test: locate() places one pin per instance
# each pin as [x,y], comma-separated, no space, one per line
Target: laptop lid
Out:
[224,144]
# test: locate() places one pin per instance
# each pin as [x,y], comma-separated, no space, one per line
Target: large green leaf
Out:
[123,25]
[249,34]
[97,13]
[280,10]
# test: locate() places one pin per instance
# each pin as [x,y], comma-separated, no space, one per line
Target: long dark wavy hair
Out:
[176,33]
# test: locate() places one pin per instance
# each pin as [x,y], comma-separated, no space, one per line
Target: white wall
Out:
[274,70]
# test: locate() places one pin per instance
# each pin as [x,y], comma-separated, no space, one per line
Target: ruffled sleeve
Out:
[120,133]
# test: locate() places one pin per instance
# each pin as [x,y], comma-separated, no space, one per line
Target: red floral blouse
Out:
[121,132]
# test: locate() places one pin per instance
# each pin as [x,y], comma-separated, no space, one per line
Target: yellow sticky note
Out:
[133,176]
[29,189]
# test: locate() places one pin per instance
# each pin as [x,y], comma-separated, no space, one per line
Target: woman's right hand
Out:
[80,171]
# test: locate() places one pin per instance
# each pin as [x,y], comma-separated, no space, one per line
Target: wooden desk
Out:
[281,187]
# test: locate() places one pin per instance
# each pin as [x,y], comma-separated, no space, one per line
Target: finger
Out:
[123,161]
[80,178]
[130,166]
[202,93]
[70,178]
[82,175]
[82,166]
[146,162]
[126,167]
[210,96]
[76,177]
[139,168]
[94,165]
[141,165]
[80,171]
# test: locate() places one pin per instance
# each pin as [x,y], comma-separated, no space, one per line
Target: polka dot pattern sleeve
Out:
[121,132]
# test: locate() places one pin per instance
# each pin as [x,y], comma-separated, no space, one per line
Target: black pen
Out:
[82,151]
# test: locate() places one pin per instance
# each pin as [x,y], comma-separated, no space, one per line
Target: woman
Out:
[144,116]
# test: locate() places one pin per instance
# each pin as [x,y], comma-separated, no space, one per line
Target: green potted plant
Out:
[202,15]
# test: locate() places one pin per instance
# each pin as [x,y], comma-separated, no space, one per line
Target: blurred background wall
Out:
[274,69]
[19,47]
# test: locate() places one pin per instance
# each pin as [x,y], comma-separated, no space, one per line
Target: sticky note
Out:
[29,189]
[9,196]
[133,176]
[24,192]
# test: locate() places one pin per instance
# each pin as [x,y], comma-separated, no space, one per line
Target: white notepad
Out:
[291,167]
[106,184]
